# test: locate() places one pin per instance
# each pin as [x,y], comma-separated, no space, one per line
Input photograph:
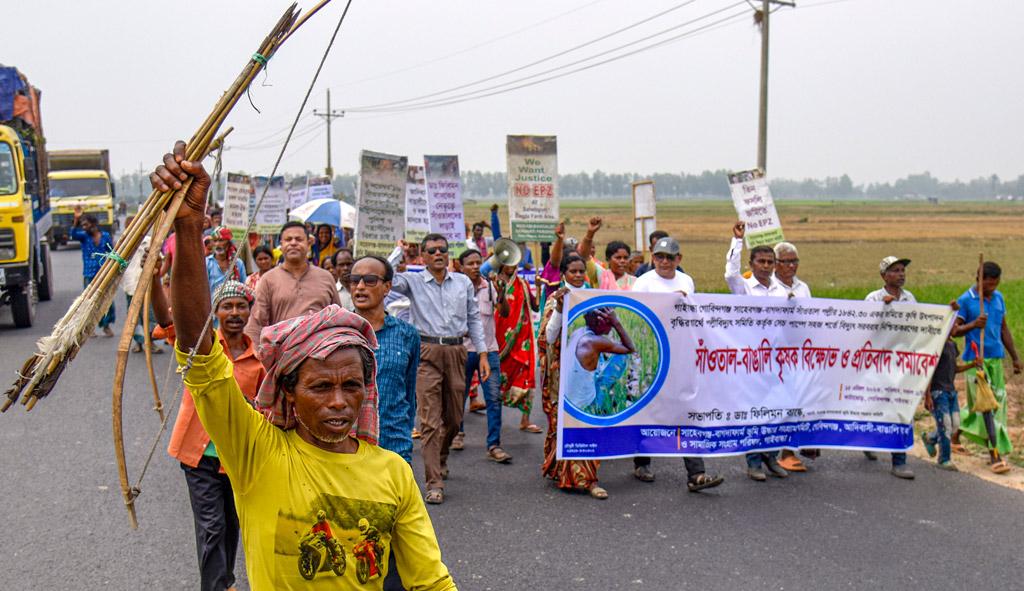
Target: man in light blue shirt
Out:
[444,310]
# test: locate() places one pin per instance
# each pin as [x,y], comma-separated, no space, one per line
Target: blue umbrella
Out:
[325,211]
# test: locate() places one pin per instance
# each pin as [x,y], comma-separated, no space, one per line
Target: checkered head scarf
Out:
[285,345]
[232,289]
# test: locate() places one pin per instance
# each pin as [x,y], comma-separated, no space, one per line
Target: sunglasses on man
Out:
[436,250]
[367,280]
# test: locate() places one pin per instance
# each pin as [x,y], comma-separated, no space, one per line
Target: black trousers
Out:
[213,509]
[694,465]
[393,582]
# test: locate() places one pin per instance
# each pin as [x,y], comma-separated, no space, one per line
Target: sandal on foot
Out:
[1000,467]
[702,481]
[792,463]
[597,492]
[958,448]
[531,428]
[434,496]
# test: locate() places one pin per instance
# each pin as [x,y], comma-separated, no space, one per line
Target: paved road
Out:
[848,525]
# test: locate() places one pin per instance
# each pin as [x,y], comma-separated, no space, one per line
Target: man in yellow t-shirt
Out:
[296,468]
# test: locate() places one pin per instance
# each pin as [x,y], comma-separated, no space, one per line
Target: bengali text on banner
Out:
[718,374]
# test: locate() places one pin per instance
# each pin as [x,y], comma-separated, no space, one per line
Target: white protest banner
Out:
[417,210]
[532,186]
[645,211]
[380,204]
[718,374]
[444,195]
[754,206]
[273,212]
[297,192]
[238,191]
[319,187]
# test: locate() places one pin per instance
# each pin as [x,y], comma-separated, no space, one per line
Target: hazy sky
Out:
[873,88]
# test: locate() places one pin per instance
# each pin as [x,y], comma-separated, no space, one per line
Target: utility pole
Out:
[762,121]
[328,116]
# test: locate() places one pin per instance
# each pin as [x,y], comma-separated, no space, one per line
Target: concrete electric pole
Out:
[762,121]
[329,116]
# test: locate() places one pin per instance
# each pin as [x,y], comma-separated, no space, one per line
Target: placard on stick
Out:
[532,186]
[444,195]
[754,205]
[380,205]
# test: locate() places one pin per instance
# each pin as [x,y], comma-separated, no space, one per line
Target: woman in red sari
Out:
[567,474]
[516,344]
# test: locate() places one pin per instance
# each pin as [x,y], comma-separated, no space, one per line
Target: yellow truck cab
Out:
[25,276]
[80,178]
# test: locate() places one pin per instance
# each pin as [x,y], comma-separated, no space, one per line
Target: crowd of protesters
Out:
[320,360]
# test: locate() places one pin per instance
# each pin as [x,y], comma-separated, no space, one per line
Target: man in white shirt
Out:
[787,261]
[665,278]
[894,272]
[762,266]
[760,283]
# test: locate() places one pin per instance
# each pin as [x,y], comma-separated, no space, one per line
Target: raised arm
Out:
[190,291]
[495,222]
[555,260]
[732,260]
[588,239]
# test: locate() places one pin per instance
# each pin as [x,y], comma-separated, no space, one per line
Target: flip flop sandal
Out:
[435,496]
[958,448]
[1000,467]
[704,481]
[531,428]
[597,492]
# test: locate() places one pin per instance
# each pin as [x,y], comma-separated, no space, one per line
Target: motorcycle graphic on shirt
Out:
[344,538]
[320,550]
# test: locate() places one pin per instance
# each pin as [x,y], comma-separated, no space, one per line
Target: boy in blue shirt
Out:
[988,429]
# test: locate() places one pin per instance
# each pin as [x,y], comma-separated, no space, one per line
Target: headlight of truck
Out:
[7,253]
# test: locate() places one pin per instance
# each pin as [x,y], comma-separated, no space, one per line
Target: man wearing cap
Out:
[894,273]
[666,278]
[652,239]
[316,453]
[760,283]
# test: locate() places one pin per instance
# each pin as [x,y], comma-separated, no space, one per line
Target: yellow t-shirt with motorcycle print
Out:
[310,518]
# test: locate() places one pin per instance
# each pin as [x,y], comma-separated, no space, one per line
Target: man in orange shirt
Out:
[213,503]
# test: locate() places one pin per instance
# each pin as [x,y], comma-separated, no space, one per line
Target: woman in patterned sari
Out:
[515,344]
[567,474]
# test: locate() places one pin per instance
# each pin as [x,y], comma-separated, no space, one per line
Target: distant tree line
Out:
[707,184]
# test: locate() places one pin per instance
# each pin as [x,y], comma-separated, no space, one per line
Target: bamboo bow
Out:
[40,372]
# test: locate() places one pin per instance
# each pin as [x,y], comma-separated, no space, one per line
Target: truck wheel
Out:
[45,275]
[23,306]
